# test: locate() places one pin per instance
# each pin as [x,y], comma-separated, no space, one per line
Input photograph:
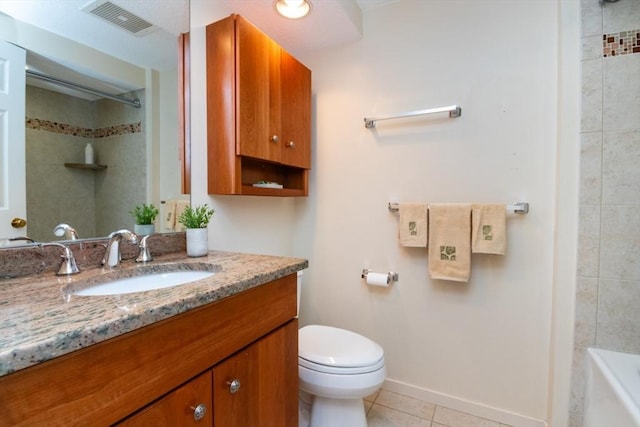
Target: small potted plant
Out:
[144,215]
[196,219]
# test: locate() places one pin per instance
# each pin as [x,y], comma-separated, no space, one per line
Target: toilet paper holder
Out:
[391,276]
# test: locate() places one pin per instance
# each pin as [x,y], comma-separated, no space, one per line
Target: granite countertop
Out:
[41,319]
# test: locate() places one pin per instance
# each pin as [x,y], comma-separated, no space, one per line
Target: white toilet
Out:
[337,369]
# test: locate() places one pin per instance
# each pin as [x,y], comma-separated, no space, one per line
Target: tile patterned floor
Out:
[388,409]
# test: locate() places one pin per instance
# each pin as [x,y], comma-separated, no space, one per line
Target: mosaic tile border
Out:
[67,129]
[622,43]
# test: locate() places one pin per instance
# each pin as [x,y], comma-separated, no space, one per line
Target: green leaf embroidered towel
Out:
[488,229]
[450,242]
[412,225]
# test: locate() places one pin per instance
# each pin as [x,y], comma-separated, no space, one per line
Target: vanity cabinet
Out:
[188,405]
[253,387]
[258,112]
[159,374]
[246,389]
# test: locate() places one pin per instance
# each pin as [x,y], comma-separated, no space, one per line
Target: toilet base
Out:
[304,408]
[326,412]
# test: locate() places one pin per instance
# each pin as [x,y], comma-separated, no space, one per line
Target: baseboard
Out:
[473,408]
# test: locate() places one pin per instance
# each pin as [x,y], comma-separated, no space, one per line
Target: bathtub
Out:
[613,389]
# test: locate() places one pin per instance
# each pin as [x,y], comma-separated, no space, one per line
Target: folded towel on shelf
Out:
[488,229]
[169,215]
[412,225]
[450,242]
[180,207]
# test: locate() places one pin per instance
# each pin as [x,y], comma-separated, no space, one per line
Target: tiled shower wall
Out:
[55,135]
[608,275]
[122,146]
[94,202]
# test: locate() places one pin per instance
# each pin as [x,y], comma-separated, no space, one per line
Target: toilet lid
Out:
[329,346]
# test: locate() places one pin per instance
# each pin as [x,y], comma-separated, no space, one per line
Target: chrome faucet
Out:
[65,230]
[68,265]
[143,254]
[112,255]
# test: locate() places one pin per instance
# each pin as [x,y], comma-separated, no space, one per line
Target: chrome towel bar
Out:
[516,208]
[453,110]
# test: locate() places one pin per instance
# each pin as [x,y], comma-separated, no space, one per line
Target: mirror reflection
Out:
[90,160]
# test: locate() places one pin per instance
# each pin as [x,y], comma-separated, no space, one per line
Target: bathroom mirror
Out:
[137,153]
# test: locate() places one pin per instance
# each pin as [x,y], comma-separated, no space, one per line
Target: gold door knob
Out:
[18,222]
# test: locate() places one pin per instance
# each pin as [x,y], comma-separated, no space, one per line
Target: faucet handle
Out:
[68,265]
[144,255]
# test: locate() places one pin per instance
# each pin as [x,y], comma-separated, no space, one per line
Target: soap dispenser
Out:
[88,154]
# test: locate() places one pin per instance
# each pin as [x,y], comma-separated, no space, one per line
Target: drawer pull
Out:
[291,144]
[234,386]
[199,411]
[275,139]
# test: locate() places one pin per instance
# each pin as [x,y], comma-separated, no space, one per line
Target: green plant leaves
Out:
[196,217]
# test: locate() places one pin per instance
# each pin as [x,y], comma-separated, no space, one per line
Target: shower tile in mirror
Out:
[622,43]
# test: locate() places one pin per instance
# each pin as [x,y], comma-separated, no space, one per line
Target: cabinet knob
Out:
[291,144]
[234,386]
[199,411]
[275,139]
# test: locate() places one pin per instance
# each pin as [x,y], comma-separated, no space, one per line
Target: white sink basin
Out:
[145,282]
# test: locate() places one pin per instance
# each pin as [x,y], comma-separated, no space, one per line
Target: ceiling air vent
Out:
[120,17]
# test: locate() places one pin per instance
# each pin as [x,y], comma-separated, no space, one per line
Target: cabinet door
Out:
[258,93]
[188,405]
[258,386]
[295,112]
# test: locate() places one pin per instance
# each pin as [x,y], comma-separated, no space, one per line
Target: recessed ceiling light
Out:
[293,9]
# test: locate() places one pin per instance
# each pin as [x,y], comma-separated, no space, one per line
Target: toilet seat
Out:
[337,351]
[338,370]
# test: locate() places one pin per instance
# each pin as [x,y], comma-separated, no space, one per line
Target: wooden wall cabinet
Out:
[159,374]
[258,112]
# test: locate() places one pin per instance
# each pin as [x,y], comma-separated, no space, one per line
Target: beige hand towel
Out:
[489,229]
[180,207]
[412,225]
[169,217]
[450,242]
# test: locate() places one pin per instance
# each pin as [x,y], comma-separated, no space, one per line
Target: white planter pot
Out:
[197,242]
[144,229]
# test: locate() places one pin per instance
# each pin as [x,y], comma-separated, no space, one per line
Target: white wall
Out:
[487,341]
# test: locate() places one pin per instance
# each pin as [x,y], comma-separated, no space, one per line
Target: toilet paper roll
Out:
[378,279]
